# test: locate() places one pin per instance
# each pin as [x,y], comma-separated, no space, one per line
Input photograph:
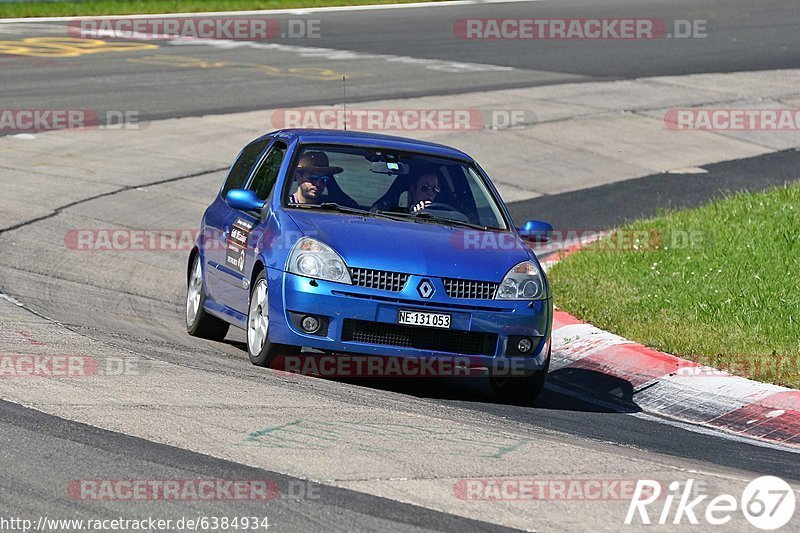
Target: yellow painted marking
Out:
[67,47]
[192,62]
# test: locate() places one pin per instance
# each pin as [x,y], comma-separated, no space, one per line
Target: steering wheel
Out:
[440,206]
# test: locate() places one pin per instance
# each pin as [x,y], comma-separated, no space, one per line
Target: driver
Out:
[311,175]
[423,191]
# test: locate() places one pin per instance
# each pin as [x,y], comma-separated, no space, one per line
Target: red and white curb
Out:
[665,385]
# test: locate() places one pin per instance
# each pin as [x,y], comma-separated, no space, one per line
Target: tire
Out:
[198,322]
[520,389]
[261,351]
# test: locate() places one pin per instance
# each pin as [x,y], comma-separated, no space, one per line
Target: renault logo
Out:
[425,288]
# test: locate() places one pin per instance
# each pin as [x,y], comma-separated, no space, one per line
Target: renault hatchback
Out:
[354,243]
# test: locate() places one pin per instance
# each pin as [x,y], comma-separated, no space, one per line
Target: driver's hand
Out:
[420,206]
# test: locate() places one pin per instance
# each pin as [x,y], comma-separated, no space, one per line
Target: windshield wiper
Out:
[333,206]
[445,221]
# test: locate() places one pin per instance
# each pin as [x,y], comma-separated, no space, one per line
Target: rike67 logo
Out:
[767,502]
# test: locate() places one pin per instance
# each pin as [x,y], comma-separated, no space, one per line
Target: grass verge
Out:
[131,7]
[719,284]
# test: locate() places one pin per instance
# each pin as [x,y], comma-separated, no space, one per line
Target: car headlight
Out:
[523,282]
[315,259]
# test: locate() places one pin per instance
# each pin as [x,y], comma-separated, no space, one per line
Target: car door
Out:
[216,216]
[243,228]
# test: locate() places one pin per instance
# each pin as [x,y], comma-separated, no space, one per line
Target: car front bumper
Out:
[361,320]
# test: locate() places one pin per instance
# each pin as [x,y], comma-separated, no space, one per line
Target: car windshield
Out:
[406,185]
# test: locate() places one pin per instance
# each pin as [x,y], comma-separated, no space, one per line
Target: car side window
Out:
[267,174]
[242,167]
[487,211]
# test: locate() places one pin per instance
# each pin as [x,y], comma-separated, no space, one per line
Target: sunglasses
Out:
[311,176]
[425,188]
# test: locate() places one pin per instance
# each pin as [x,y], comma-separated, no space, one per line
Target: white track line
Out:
[291,11]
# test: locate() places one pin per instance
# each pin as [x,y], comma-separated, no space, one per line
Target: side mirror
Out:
[244,199]
[536,231]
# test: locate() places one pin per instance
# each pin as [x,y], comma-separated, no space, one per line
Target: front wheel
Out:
[259,348]
[198,322]
[520,389]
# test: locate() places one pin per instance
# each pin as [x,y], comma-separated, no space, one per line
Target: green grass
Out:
[730,298]
[128,7]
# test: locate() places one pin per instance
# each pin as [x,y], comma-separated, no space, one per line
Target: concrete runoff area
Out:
[573,136]
[123,309]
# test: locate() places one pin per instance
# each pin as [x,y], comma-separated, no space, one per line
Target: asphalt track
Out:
[742,36]
[34,441]
[646,196]
[394,54]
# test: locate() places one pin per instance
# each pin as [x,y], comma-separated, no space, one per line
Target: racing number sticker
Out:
[237,244]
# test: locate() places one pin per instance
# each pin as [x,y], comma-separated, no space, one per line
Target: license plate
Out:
[419,318]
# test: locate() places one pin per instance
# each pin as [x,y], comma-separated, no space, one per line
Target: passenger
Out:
[423,191]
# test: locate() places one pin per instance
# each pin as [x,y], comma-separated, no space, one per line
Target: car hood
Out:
[414,247]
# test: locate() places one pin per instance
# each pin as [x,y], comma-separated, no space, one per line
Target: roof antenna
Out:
[344,91]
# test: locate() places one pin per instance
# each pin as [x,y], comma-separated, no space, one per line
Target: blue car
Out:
[355,243]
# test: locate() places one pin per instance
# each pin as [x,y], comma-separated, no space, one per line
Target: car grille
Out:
[378,279]
[478,290]
[440,340]
[436,306]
